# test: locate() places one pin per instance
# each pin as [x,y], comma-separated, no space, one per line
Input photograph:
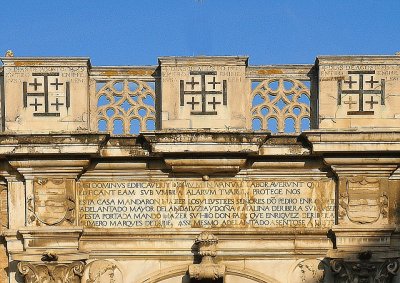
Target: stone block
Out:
[44,95]
[363,90]
[210,92]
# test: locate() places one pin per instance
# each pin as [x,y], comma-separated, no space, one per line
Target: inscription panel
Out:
[212,204]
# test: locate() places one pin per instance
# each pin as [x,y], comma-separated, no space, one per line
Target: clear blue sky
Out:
[137,32]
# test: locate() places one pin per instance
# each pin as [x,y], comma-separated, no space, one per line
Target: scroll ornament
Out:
[364,271]
[54,272]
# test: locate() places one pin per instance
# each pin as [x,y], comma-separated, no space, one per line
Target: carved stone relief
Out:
[52,202]
[102,271]
[51,272]
[287,101]
[129,102]
[309,271]
[363,201]
[207,268]
[364,271]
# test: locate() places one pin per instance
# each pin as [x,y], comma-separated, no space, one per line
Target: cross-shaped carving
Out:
[192,82]
[350,102]
[371,103]
[36,104]
[213,83]
[193,103]
[56,84]
[361,92]
[372,82]
[203,92]
[213,103]
[35,84]
[57,104]
[350,82]
[47,94]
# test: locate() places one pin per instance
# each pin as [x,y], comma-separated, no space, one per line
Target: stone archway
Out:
[180,271]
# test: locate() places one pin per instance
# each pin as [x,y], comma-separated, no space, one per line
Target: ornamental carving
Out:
[280,104]
[364,271]
[363,202]
[51,272]
[309,270]
[207,250]
[52,202]
[102,271]
[125,107]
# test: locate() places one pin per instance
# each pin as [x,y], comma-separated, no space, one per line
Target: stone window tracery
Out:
[125,106]
[281,106]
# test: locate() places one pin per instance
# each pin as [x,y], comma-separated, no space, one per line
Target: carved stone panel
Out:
[204,92]
[52,202]
[46,94]
[217,203]
[363,201]
[359,91]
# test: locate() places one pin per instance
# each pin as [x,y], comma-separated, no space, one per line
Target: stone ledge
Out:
[204,141]
[50,144]
[353,141]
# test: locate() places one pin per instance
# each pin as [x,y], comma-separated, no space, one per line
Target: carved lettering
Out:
[190,203]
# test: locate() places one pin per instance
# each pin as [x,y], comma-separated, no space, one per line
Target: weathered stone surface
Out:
[199,169]
[216,203]
[45,94]
[51,272]
[358,91]
[212,92]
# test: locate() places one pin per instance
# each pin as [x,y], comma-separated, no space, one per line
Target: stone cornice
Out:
[204,141]
[45,61]
[299,72]
[353,141]
[359,59]
[203,60]
[51,144]
[131,72]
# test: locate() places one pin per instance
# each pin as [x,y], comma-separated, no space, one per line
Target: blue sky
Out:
[137,32]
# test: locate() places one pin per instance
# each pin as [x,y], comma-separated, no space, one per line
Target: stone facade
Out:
[200,169]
